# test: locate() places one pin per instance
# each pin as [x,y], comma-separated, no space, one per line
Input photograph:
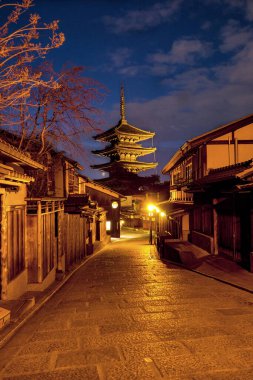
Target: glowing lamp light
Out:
[162,214]
[115,204]
[151,208]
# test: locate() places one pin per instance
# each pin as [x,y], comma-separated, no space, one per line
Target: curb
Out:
[5,339]
[209,276]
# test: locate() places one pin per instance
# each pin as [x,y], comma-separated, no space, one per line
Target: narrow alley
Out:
[127,315]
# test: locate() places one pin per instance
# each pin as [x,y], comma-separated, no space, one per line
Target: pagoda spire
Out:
[122,105]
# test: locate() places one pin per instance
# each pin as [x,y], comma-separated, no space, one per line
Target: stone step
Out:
[5,317]
[183,252]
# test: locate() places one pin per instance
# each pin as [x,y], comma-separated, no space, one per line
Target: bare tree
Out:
[43,108]
[59,117]
[20,46]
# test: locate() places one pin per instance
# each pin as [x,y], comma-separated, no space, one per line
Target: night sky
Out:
[186,64]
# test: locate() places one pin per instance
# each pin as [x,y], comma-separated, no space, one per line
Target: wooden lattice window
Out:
[50,179]
[188,172]
[73,181]
[15,241]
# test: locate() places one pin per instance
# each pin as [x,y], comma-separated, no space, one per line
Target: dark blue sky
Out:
[186,64]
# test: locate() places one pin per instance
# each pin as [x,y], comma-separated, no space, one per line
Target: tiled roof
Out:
[137,164]
[77,199]
[123,128]
[226,173]
[12,152]
[174,207]
[214,133]
[125,147]
[105,134]
[130,129]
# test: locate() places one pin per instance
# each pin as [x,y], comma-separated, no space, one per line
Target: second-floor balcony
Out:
[181,181]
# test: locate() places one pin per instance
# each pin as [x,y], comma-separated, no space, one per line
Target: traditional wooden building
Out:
[124,150]
[51,232]
[222,218]
[62,221]
[110,201]
[58,221]
[14,239]
[49,220]
[210,192]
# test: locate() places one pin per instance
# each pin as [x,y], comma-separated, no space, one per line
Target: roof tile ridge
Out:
[231,167]
[138,129]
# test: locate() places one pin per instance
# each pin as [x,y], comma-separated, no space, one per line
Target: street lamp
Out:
[154,211]
[115,204]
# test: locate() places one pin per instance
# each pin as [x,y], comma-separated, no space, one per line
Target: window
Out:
[50,179]
[73,181]
[188,173]
[15,241]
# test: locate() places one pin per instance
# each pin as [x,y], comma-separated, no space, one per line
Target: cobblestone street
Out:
[127,315]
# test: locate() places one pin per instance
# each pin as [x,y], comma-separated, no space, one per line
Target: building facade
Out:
[209,204]
[14,243]
[50,221]
[110,201]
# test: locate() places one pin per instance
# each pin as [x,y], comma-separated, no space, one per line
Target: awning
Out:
[175,208]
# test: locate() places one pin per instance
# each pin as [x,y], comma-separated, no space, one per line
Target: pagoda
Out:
[123,150]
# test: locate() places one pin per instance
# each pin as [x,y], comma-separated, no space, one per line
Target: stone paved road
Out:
[125,315]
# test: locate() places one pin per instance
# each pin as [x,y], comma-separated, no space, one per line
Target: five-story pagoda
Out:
[124,149]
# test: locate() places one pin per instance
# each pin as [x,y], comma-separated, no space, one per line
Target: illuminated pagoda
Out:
[124,149]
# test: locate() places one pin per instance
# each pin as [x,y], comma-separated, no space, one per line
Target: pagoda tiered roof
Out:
[128,148]
[123,128]
[124,148]
[130,166]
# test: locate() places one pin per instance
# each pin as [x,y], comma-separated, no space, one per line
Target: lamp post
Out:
[150,213]
[115,218]
[150,229]
[154,211]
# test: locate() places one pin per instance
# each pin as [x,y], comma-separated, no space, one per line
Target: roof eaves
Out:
[106,188]
[214,133]
[203,138]
[24,158]
[138,130]
[176,157]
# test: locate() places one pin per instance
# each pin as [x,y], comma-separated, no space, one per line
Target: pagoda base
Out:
[129,183]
